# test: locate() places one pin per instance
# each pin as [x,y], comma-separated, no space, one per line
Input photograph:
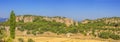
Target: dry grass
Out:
[51,37]
[56,39]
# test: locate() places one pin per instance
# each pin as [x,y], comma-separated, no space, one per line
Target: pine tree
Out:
[12,24]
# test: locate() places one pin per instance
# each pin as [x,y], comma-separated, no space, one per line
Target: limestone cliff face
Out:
[28,19]
[85,21]
[24,19]
[67,21]
[19,18]
[107,21]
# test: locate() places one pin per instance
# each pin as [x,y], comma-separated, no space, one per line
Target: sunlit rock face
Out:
[28,19]
[24,19]
[67,21]
[85,21]
[19,18]
[112,20]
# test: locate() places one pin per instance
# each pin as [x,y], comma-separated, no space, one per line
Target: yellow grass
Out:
[56,39]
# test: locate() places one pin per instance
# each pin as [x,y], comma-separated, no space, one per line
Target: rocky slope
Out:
[30,18]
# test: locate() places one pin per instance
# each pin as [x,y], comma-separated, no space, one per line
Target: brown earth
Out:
[52,37]
[57,39]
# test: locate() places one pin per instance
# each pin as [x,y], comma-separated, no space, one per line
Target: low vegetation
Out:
[93,27]
[20,39]
[106,28]
[30,40]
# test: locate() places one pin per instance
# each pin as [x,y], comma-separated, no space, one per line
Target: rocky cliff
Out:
[30,18]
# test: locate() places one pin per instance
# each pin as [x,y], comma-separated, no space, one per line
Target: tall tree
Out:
[12,24]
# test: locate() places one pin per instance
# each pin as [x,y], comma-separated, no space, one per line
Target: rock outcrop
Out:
[85,21]
[67,21]
[24,19]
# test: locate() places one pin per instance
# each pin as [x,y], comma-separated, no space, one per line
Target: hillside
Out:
[102,27]
[62,25]
[30,18]
[38,26]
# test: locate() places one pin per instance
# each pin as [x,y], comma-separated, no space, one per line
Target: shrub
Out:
[9,39]
[34,32]
[20,40]
[115,37]
[40,32]
[104,35]
[21,29]
[28,32]
[30,40]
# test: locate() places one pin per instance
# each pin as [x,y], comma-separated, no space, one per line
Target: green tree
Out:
[12,24]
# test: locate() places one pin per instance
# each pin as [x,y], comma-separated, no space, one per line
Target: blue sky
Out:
[75,9]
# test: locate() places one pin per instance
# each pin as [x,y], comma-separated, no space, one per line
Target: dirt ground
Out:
[57,39]
[52,37]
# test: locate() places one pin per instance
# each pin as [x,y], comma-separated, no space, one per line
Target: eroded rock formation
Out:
[67,21]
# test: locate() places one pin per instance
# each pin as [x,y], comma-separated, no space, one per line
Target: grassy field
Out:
[51,37]
[56,39]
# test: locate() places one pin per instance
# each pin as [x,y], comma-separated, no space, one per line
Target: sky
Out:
[75,9]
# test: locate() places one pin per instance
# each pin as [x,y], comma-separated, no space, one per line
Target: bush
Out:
[20,40]
[115,37]
[34,32]
[21,29]
[107,35]
[30,40]
[9,39]
[28,32]
[40,32]
[104,35]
